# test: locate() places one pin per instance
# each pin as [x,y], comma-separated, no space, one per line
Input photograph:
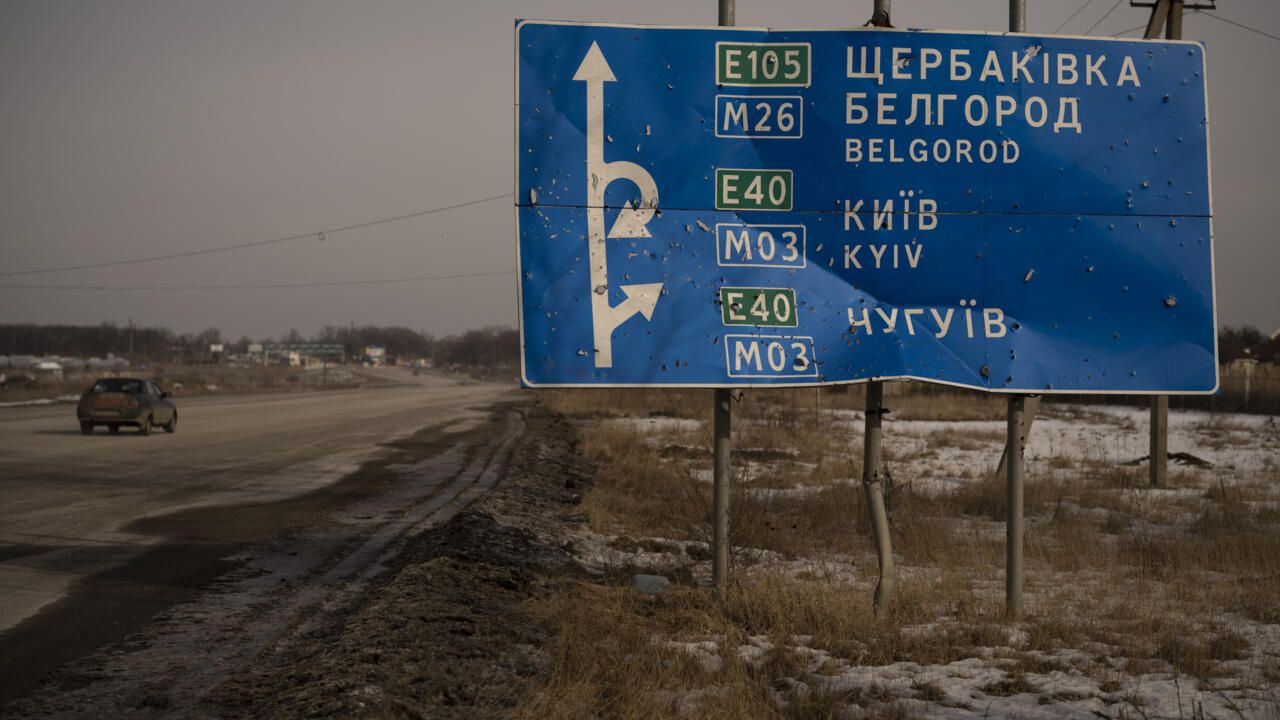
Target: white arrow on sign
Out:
[631,222]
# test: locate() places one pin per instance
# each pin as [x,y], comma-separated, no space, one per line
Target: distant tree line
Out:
[491,347]
[100,340]
[1235,342]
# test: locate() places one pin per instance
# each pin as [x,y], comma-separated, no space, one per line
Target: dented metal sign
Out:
[733,207]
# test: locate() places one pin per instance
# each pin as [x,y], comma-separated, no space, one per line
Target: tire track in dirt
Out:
[280,586]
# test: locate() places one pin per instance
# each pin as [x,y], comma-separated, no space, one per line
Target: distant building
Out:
[48,369]
[295,354]
[110,362]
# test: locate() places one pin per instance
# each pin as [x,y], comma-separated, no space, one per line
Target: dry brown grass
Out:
[611,657]
[1144,581]
[641,493]
[637,492]
[908,401]
[627,402]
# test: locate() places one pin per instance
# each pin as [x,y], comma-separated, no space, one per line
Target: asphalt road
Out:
[74,507]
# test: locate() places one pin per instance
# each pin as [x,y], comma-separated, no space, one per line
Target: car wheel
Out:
[171,426]
[86,428]
[113,429]
[144,427]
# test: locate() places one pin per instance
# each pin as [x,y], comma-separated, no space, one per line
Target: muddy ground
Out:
[443,636]
[424,624]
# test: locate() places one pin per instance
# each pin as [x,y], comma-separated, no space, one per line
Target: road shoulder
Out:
[428,622]
[444,634]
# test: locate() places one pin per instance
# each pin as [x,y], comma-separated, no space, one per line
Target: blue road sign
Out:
[732,207]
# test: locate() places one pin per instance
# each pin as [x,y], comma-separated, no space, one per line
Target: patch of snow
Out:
[655,425]
[41,401]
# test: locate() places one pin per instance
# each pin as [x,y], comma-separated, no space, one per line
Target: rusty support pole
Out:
[720,499]
[1017,431]
[1013,510]
[873,486]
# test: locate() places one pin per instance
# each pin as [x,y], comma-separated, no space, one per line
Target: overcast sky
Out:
[135,128]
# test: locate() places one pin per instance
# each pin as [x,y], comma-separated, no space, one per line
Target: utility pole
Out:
[1170,11]
[1014,444]
[722,418]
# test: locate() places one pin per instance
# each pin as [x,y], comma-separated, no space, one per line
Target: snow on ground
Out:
[984,687]
[657,425]
[41,401]
[1066,442]
[939,456]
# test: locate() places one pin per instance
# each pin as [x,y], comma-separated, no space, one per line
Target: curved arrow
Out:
[631,223]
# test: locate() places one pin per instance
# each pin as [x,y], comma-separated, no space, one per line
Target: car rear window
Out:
[117,385]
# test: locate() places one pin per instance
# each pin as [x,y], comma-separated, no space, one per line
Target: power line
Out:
[1143,26]
[320,234]
[1086,4]
[1239,25]
[1104,17]
[1215,16]
[262,286]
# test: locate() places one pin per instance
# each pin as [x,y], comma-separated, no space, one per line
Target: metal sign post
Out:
[1013,512]
[872,479]
[723,415]
[873,486]
[722,419]
[1158,450]
[726,207]
[1018,425]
